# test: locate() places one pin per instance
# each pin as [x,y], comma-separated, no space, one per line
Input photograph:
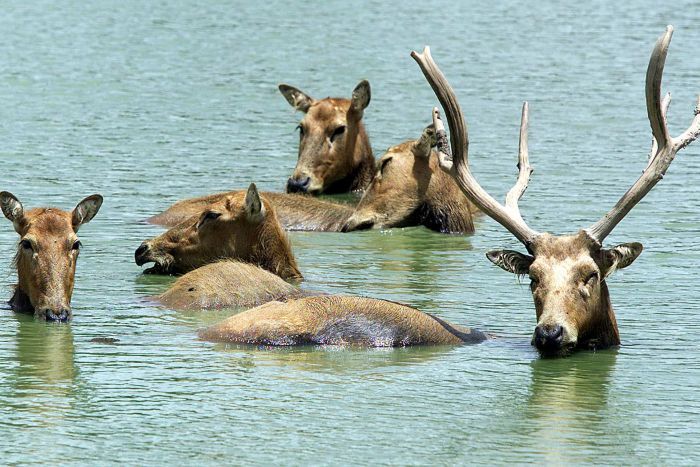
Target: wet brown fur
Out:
[199,241]
[295,212]
[410,189]
[227,284]
[339,320]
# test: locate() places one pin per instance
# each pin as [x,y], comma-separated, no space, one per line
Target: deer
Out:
[241,226]
[339,320]
[335,155]
[227,284]
[409,189]
[294,211]
[567,273]
[47,255]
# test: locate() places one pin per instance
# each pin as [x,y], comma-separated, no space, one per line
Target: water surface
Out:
[151,102]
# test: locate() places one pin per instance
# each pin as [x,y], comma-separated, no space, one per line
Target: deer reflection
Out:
[568,398]
[46,357]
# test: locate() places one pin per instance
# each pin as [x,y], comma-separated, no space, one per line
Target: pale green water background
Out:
[150,102]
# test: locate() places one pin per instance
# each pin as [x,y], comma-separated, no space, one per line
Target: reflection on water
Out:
[42,383]
[331,359]
[567,403]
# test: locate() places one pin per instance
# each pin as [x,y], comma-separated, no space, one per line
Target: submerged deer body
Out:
[409,189]
[227,284]
[567,273]
[294,211]
[47,255]
[242,226]
[334,151]
[339,320]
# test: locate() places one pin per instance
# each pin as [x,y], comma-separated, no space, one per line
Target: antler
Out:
[455,162]
[664,148]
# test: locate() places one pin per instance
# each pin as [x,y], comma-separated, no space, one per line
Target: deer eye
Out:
[337,133]
[211,215]
[384,164]
[534,282]
[592,278]
[76,245]
[26,244]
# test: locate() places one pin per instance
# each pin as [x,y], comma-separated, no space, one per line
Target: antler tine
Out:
[458,166]
[665,103]
[664,148]
[524,168]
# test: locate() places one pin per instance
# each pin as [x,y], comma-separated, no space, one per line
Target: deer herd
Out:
[230,249]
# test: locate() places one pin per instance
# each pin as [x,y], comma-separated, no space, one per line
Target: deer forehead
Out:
[328,111]
[49,222]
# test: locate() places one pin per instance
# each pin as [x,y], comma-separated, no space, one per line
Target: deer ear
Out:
[423,145]
[511,261]
[13,210]
[86,210]
[361,96]
[620,256]
[296,98]
[254,208]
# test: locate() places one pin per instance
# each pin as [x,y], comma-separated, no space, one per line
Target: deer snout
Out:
[142,254]
[61,314]
[298,185]
[548,337]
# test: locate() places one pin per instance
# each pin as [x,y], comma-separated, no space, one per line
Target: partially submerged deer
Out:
[567,273]
[334,151]
[47,255]
[227,284]
[242,226]
[294,211]
[339,320]
[409,189]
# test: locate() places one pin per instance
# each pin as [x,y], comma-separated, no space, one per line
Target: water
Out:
[151,102]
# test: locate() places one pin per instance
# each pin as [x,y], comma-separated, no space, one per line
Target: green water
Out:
[151,102]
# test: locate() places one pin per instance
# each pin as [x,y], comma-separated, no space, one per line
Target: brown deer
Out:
[242,226]
[227,284]
[294,211]
[409,189]
[46,255]
[567,273]
[334,151]
[339,320]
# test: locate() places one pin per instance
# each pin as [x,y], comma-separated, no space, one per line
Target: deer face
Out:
[240,226]
[400,186]
[567,279]
[328,135]
[48,252]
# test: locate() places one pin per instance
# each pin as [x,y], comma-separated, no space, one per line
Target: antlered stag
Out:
[568,273]
[47,255]
[334,151]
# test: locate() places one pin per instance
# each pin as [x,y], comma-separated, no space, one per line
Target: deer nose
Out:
[140,256]
[352,225]
[300,185]
[60,315]
[548,336]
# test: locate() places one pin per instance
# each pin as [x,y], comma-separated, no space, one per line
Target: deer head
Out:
[409,188]
[241,226]
[47,254]
[567,273]
[334,151]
